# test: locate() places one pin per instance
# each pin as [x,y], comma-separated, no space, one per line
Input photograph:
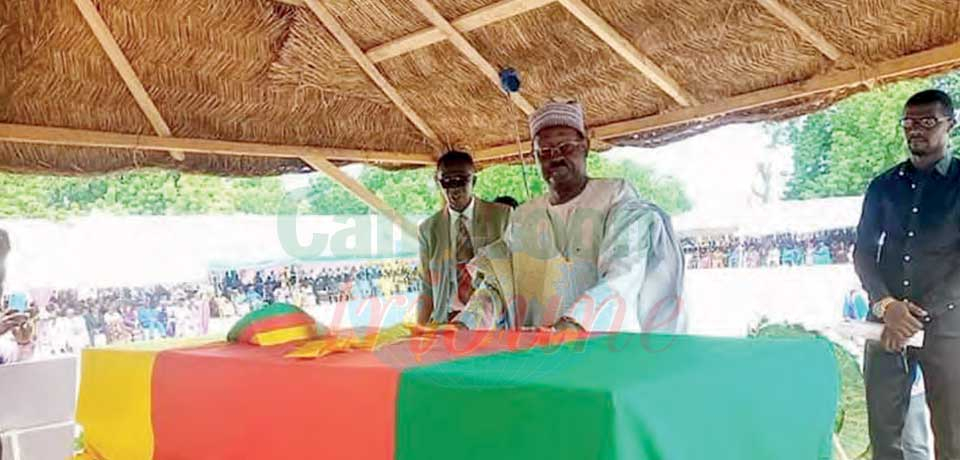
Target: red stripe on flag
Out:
[274,322]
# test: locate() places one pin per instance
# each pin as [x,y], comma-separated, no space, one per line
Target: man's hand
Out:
[891,341]
[11,319]
[567,324]
[901,322]
[24,333]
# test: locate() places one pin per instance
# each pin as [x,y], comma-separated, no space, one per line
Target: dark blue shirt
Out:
[908,241]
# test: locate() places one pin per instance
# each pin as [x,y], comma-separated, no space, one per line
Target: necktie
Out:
[464,254]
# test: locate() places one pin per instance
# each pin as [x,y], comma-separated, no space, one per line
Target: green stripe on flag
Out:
[625,396]
[265,312]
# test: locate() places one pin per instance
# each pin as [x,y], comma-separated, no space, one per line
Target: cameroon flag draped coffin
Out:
[471,395]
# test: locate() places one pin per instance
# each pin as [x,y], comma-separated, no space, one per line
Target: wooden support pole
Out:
[802,28]
[129,77]
[338,32]
[364,194]
[933,59]
[504,9]
[85,138]
[471,53]
[626,50]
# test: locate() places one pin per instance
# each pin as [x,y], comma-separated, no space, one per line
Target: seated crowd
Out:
[309,286]
[68,320]
[786,249]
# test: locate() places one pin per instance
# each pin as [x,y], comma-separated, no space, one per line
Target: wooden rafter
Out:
[337,30]
[471,53]
[364,194]
[120,62]
[473,20]
[930,60]
[626,50]
[802,28]
[86,138]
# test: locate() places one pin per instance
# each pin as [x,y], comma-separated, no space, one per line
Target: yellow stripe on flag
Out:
[115,392]
[287,334]
[114,403]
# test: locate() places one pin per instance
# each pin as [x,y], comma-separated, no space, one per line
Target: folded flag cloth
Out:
[275,324]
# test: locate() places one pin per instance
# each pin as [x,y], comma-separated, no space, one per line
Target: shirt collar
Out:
[942,167]
[454,215]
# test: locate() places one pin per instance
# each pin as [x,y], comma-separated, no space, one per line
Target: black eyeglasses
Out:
[924,122]
[563,150]
[449,182]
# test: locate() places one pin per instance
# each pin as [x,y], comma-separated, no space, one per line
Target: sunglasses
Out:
[565,149]
[449,182]
[924,122]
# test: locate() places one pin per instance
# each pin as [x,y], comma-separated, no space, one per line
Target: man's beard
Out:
[921,150]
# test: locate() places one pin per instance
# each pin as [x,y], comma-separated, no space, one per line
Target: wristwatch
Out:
[880,307]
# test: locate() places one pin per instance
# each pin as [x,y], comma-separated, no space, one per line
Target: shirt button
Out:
[913,186]
[906,282]
[927,319]
[951,307]
[901,173]
[911,234]
[915,210]
[906,258]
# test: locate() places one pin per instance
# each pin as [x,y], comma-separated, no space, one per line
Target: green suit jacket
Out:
[438,265]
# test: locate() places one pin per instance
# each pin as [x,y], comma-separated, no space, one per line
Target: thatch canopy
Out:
[253,87]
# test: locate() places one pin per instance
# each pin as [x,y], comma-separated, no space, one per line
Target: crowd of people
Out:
[787,249]
[66,321]
[309,286]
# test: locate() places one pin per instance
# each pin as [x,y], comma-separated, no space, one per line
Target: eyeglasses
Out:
[563,150]
[924,122]
[449,182]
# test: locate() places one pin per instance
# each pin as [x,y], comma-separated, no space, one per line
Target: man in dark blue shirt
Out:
[908,258]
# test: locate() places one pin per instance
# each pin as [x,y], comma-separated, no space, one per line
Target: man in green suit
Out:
[449,238]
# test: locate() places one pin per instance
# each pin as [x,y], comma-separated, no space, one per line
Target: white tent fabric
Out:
[804,216]
[114,251]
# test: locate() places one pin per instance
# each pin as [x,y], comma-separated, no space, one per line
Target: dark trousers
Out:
[888,381]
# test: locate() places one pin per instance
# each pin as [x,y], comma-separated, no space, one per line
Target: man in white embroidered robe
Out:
[589,255]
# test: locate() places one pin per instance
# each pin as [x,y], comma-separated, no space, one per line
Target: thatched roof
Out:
[397,81]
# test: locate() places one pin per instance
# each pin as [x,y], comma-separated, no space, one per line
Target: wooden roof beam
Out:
[129,77]
[931,60]
[626,50]
[86,138]
[802,28]
[504,9]
[364,194]
[337,30]
[468,50]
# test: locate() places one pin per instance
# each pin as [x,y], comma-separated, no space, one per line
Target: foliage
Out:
[161,192]
[836,152]
[415,192]
[144,192]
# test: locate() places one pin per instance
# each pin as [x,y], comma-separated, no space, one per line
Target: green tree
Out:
[665,191]
[261,195]
[162,192]
[499,180]
[837,151]
[414,191]
[950,83]
[327,197]
[142,192]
